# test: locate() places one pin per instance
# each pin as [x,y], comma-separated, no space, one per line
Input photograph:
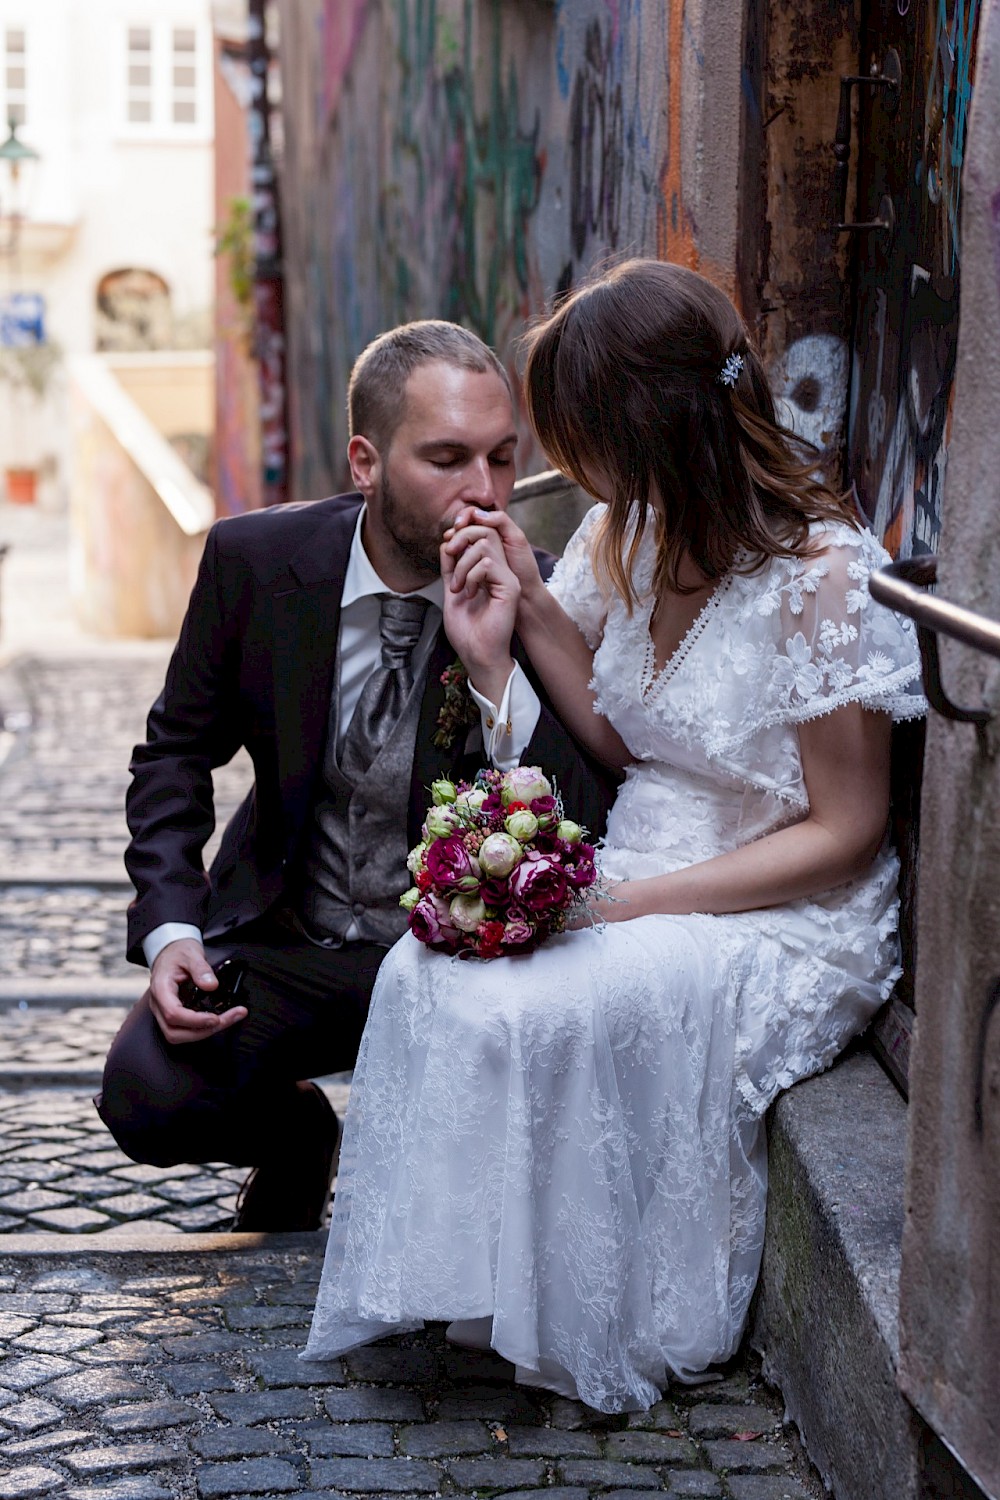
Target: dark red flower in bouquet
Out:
[490,935]
[581,871]
[546,810]
[450,865]
[538,883]
[495,892]
[422,880]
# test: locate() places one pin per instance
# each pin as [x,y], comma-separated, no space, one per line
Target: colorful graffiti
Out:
[269,323]
[946,115]
[468,160]
[909,304]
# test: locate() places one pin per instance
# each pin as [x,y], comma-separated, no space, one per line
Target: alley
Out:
[145,1356]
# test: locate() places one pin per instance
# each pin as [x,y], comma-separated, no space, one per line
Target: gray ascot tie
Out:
[384,695]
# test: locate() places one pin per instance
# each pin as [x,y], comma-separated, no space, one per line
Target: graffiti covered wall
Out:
[237,474]
[470,158]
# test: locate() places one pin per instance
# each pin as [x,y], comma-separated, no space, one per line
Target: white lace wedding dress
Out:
[571,1142]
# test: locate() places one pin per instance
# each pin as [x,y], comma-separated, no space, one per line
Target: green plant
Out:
[235,239]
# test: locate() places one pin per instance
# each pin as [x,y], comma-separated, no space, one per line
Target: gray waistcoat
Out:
[355,861]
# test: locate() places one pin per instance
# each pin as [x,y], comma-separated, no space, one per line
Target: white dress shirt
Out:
[507,726]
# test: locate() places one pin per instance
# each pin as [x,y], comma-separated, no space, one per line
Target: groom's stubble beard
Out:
[415,541]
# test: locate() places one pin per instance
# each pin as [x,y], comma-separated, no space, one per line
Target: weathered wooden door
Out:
[911,143]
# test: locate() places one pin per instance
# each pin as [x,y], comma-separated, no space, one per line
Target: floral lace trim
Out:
[653,681]
[885,696]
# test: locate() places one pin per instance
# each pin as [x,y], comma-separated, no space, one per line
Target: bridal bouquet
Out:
[498,867]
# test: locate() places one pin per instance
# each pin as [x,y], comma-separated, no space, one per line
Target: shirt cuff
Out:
[167,932]
[509,725]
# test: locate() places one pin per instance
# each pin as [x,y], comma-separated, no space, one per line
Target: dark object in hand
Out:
[230,974]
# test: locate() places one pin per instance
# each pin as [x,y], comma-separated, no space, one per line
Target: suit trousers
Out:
[233,1096]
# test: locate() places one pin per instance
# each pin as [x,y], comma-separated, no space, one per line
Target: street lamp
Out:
[16,159]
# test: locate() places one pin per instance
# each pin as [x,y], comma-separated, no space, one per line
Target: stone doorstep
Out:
[109,877]
[153,1242]
[27,1077]
[63,994]
[825,1316]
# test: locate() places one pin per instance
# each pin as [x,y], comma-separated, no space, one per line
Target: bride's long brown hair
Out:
[623,390]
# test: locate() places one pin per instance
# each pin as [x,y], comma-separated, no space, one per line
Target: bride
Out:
[564,1152]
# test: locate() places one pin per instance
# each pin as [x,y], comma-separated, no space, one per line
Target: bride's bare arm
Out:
[481,545]
[845,761]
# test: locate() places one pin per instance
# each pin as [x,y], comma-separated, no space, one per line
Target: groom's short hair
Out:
[377,389]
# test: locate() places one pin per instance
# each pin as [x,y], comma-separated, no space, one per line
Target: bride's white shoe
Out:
[470,1333]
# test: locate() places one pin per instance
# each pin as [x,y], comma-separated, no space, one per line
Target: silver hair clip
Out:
[730,372]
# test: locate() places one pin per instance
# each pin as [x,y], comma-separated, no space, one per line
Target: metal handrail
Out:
[537,485]
[898,587]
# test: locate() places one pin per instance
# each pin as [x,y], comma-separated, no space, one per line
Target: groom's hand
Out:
[180,960]
[481,596]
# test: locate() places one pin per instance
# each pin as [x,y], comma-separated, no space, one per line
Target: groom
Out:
[317,636]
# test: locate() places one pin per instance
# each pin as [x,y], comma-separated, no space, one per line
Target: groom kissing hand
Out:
[317,637]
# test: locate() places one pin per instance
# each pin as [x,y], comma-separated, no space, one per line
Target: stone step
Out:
[104,877]
[826,1312]
[66,993]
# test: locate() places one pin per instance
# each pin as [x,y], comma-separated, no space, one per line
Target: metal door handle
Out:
[888,83]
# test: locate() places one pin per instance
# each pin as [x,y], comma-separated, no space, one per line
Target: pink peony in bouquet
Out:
[499,866]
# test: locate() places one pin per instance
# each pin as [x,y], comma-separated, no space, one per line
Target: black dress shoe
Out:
[290,1193]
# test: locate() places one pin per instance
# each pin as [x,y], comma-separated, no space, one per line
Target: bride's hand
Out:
[611,905]
[472,525]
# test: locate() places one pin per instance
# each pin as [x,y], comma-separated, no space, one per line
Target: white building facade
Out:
[115,231]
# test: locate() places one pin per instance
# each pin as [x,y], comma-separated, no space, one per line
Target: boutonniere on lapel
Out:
[459,712]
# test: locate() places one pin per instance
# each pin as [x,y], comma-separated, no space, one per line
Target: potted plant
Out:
[26,367]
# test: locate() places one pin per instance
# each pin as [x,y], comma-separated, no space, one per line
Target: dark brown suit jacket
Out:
[253,667]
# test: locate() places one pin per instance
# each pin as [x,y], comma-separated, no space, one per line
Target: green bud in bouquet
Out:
[443,792]
[569,832]
[409,899]
[522,826]
[415,858]
[524,784]
[498,855]
[471,801]
[441,821]
[467,912]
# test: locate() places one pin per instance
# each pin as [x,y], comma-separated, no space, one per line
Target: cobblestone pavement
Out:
[62,785]
[147,1377]
[36,1042]
[60,1170]
[65,930]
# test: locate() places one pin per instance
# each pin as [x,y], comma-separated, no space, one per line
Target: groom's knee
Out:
[147,1096]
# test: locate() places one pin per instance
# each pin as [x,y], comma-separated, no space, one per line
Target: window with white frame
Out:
[184,76]
[139,99]
[167,79]
[15,75]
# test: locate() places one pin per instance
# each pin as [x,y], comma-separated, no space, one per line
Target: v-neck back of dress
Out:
[654,678]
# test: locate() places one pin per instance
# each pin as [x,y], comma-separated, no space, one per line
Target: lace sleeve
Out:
[574,585]
[833,644]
